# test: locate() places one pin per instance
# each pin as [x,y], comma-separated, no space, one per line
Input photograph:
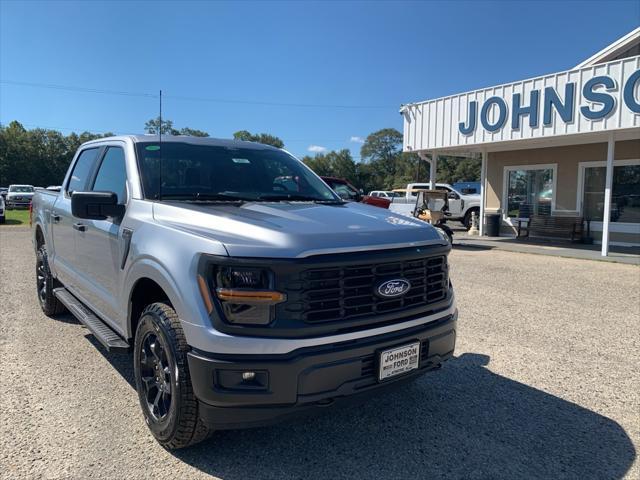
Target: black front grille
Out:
[347,292]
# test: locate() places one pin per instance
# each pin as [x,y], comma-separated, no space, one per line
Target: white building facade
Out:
[564,144]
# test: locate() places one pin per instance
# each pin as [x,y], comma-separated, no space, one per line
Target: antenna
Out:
[160,146]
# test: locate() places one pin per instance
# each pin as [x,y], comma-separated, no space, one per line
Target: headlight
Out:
[245,294]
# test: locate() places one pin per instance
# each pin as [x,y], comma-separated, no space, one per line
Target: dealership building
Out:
[565,144]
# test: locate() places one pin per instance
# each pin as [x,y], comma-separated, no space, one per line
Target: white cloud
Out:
[317,149]
[357,139]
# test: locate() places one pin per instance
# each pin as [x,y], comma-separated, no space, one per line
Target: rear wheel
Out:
[44,285]
[162,378]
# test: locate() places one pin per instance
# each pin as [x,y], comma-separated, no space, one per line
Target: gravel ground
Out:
[545,384]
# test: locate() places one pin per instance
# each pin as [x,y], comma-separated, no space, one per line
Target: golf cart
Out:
[433,206]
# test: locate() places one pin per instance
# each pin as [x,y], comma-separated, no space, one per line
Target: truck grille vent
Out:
[343,293]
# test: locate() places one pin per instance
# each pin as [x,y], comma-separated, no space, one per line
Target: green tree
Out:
[38,157]
[192,132]
[382,150]
[334,164]
[152,126]
[265,138]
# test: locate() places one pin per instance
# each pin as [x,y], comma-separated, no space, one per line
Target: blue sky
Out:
[316,58]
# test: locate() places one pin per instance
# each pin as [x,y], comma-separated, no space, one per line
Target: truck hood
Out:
[294,230]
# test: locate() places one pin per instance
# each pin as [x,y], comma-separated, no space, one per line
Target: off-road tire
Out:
[45,284]
[182,426]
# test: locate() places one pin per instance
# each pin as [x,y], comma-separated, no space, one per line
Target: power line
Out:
[190,98]
[78,89]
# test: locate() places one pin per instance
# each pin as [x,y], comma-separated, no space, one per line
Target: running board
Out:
[103,333]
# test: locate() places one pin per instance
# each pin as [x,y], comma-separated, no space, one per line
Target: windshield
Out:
[211,173]
[21,189]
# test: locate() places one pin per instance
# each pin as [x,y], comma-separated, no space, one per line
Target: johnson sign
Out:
[598,94]
[591,99]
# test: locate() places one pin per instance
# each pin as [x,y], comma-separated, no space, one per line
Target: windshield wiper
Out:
[295,198]
[204,197]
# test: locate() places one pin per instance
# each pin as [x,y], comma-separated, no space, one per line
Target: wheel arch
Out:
[149,284]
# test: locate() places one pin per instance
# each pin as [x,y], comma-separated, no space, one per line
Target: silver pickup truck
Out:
[247,290]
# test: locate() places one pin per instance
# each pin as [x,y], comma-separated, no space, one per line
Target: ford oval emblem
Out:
[393,288]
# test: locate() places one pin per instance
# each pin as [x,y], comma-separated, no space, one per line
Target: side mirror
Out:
[96,205]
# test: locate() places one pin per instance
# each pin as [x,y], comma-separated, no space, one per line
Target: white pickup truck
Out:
[460,206]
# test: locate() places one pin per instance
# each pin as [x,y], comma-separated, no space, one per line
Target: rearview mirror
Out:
[96,205]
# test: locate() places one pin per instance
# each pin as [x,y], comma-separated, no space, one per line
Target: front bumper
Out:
[310,378]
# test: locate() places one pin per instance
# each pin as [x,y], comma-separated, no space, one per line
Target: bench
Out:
[550,226]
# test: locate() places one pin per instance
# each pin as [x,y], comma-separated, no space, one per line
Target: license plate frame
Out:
[386,368]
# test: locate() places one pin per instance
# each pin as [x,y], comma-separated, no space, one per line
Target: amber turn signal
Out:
[250,296]
[204,291]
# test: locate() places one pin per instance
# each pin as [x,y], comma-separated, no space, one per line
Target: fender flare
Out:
[153,270]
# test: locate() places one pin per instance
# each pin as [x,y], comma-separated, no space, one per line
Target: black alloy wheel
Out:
[45,284]
[155,374]
[163,382]
[41,280]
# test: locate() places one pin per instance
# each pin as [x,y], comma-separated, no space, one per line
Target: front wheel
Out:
[162,379]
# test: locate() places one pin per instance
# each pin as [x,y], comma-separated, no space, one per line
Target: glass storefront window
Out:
[625,195]
[529,192]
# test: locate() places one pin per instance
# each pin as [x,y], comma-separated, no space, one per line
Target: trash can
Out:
[492,222]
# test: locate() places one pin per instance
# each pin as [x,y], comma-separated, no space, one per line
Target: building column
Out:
[483,190]
[433,170]
[606,215]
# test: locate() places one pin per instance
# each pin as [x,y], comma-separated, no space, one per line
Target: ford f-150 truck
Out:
[243,299]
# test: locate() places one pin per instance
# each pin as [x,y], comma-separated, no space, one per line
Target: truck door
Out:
[455,201]
[63,224]
[98,242]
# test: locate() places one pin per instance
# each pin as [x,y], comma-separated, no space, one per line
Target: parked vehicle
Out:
[349,193]
[384,194]
[345,189]
[2,211]
[243,302]
[19,196]
[433,206]
[461,206]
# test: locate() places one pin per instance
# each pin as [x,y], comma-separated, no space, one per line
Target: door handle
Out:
[55,218]
[81,227]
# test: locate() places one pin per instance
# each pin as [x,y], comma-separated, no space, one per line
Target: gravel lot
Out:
[545,385]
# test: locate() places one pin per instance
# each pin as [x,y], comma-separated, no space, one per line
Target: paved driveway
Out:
[545,385]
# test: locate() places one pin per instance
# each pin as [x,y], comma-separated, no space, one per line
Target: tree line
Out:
[41,157]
